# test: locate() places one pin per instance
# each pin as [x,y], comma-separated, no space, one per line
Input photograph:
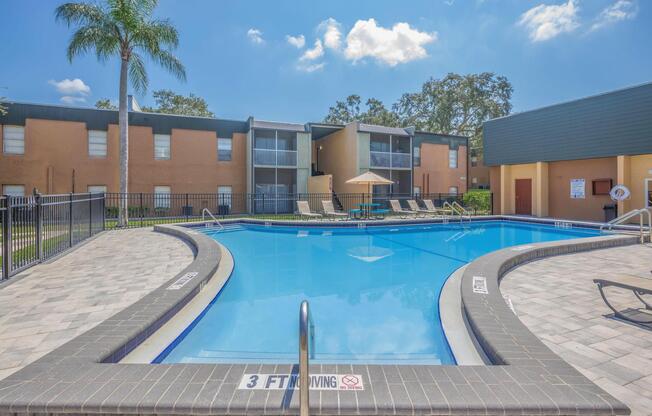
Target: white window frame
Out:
[416,190]
[97,143]
[453,190]
[96,189]
[416,155]
[162,197]
[221,191]
[162,142]
[12,145]
[7,190]
[452,158]
[230,149]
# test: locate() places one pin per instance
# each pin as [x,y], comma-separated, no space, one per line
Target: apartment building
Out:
[561,161]
[56,149]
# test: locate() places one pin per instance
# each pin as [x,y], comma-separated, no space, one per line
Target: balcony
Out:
[389,160]
[271,157]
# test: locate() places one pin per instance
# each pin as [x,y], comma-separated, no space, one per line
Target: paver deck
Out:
[558,301]
[52,303]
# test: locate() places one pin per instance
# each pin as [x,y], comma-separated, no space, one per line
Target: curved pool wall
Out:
[373,291]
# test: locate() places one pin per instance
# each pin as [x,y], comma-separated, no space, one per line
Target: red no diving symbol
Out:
[350,380]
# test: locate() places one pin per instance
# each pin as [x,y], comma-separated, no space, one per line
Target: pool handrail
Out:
[306,350]
[629,215]
[203,218]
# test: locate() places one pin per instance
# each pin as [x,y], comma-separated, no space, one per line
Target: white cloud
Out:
[332,33]
[296,41]
[544,21]
[307,67]
[394,46]
[620,10]
[69,99]
[313,53]
[71,86]
[256,36]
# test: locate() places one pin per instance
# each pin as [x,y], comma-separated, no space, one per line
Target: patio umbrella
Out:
[369,178]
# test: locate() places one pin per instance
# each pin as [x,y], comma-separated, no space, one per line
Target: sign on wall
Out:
[577,189]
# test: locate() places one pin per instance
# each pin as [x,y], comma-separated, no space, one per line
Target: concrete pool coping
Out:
[81,377]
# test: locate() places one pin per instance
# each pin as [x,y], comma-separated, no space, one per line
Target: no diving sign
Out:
[291,381]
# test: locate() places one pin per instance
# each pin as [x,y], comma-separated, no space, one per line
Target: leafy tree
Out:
[3,109]
[346,111]
[105,104]
[457,104]
[124,29]
[170,103]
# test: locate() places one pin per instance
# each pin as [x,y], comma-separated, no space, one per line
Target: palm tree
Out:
[124,29]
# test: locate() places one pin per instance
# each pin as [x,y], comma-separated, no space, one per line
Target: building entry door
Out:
[523,196]
[648,193]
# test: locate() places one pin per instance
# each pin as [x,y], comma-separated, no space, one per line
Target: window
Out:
[474,161]
[161,197]
[474,180]
[452,158]
[224,149]
[13,190]
[417,156]
[224,197]
[452,190]
[417,190]
[96,143]
[13,139]
[161,146]
[96,189]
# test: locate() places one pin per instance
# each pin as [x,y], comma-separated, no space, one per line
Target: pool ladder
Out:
[215,220]
[631,214]
[458,209]
[306,351]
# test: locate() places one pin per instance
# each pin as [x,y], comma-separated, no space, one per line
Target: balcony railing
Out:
[389,160]
[271,157]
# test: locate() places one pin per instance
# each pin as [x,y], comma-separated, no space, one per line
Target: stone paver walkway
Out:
[53,303]
[557,300]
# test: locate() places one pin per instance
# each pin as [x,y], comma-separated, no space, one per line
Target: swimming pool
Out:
[373,292]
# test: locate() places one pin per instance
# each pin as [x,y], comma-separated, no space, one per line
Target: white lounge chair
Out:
[329,210]
[397,209]
[416,208]
[304,210]
[430,206]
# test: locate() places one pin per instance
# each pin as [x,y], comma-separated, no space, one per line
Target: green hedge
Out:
[478,199]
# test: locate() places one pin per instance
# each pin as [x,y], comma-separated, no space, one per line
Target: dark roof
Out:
[276,125]
[609,124]
[454,142]
[320,130]
[373,128]
[97,119]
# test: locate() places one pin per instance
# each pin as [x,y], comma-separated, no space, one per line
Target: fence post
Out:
[90,214]
[104,212]
[6,240]
[141,209]
[491,203]
[70,220]
[39,226]
[186,207]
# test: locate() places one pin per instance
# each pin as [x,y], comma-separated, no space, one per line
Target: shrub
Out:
[478,199]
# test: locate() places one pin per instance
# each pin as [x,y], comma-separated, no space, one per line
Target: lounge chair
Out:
[329,210]
[430,207]
[416,208]
[397,209]
[304,210]
[638,285]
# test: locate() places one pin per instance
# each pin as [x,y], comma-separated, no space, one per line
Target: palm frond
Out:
[137,73]
[156,34]
[94,38]
[171,63]
[80,14]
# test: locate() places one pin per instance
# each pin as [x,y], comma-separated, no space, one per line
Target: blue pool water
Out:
[373,293]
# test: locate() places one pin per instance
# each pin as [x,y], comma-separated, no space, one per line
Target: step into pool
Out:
[373,292]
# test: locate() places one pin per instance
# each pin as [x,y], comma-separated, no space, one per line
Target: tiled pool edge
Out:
[71,379]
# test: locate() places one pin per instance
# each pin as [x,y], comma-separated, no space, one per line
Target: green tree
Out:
[3,109]
[346,111]
[169,102]
[457,104]
[105,104]
[124,29]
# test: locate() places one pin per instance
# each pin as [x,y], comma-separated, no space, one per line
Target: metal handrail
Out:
[203,218]
[457,209]
[629,215]
[306,351]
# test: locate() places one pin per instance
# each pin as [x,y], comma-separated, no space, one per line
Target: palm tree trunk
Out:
[123,121]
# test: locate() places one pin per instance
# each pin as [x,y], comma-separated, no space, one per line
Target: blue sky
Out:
[238,56]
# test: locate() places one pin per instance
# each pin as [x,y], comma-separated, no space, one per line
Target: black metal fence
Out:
[38,227]
[146,209]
